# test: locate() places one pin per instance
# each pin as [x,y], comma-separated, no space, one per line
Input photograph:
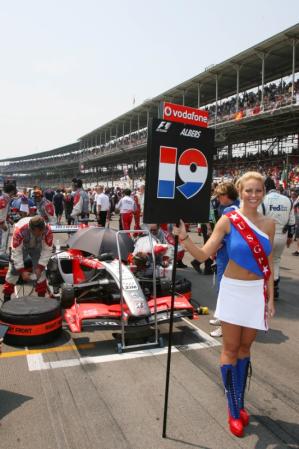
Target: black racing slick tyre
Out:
[182,285]
[32,320]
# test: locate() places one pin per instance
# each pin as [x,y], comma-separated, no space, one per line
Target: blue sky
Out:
[69,66]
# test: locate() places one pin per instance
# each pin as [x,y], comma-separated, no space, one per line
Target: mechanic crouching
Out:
[142,255]
[31,237]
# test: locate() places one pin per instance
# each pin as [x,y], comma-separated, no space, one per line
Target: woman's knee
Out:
[231,351]
[245,348]
[248,337]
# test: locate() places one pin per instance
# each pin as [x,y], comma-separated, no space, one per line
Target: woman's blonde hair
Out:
[249,175]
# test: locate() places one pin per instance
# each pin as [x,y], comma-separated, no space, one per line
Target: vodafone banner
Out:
[184,114]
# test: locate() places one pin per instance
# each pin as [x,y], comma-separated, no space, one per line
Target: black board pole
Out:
[170,336]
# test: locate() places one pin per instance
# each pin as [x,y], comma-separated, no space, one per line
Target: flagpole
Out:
[176,240]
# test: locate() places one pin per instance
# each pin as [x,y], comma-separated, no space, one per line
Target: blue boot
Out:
[229,378]
[243,368]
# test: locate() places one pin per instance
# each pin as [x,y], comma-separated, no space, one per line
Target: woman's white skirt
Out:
[242,303]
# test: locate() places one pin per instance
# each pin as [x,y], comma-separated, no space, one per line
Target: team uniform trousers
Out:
[280,241]
[126,220]
[297,228]
[102,217]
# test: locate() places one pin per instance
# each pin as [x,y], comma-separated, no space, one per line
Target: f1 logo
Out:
[192,168]
[163,127]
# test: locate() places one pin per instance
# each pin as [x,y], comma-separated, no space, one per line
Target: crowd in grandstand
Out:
[278,166]
[78,157]
[250,103]
[53,161]
[275,95]
[117,143]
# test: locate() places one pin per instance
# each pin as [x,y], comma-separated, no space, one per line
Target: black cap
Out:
[269,184]
[77,182]
[10,188]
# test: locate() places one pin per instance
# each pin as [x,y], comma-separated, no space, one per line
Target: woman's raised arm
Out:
[211,246]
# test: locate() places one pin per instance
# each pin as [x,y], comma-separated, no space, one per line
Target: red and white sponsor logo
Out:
[19,234]
[49,208]
[76,198]
[49,236]
[185,114]
[3,203]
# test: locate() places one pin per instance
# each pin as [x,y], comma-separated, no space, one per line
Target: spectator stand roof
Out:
[267,61]
[66,149]
[237,74]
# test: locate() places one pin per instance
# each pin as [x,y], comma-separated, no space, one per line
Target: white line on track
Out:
[37,363]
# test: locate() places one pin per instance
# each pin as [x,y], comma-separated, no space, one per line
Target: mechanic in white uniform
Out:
[280,208]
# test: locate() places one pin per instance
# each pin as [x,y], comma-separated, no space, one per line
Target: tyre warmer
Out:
[229,378]
[244,371]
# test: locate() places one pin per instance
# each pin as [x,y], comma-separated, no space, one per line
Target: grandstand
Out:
[253,104]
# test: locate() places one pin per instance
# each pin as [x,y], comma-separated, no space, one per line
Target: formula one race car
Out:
[105,290]
[98,284]
[95,281]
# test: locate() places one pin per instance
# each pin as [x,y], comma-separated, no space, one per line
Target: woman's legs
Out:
[248,336]
[237,342]
[229,356]
[235,362]
[243,367]
[231,334]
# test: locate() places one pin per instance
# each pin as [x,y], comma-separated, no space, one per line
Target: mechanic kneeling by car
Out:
[142,256]
[31,237]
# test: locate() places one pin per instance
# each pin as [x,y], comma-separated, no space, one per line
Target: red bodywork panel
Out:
[80,312]
[78,260]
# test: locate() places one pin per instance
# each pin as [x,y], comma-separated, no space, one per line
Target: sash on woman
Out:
[256,248]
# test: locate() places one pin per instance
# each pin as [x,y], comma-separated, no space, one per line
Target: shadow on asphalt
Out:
[9,401]
[287,306]
[186,335]
[182,335]
[272,336]
[187,443]
[286,432]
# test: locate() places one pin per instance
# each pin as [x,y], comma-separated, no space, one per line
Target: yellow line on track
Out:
[45,351]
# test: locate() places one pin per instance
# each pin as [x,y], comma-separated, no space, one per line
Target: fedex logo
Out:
[279,208]
[192,168]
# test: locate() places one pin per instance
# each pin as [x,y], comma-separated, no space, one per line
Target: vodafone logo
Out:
[185,114]
[167,111]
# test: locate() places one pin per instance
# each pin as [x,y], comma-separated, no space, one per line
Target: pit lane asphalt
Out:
[119,404]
